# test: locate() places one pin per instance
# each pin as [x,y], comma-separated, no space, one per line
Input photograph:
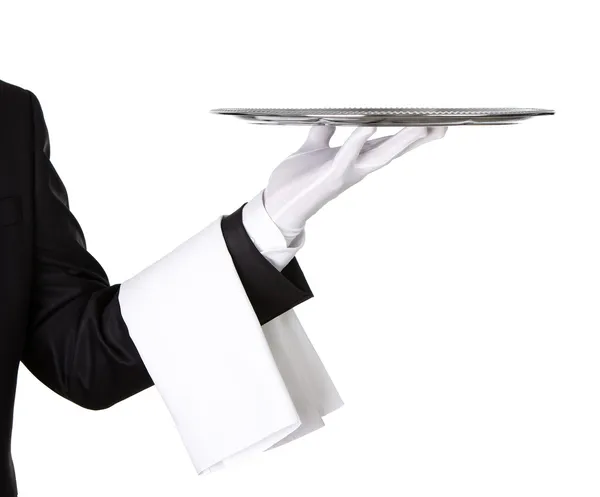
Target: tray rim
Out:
[384,116]
[383,111]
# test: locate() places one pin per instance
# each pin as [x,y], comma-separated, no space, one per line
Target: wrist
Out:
[290,226]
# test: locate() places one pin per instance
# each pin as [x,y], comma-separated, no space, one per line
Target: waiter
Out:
[211,324]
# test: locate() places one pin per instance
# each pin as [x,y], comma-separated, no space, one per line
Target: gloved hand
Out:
[317,173]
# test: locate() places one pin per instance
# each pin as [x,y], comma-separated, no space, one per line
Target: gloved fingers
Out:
[374,142]
[433,133]
[369,144]
[319,136]
[438,132]
[392,147]
[352,146]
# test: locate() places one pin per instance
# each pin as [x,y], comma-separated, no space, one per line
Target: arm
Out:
[78,342]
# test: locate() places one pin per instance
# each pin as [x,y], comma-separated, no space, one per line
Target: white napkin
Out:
[233,388]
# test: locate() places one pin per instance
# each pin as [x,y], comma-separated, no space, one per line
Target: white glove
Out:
[317,173]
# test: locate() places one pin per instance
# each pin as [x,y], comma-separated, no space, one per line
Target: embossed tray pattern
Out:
[384,116]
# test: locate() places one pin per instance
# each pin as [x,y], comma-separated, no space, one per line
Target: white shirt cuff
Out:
[266,236]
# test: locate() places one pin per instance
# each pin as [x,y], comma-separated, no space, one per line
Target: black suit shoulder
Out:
[8,88]
[16,141]
[14,97]
[18,111]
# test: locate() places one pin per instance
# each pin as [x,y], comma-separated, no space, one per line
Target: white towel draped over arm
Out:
[232,386]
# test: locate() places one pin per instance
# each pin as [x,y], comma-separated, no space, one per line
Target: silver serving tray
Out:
[386,116]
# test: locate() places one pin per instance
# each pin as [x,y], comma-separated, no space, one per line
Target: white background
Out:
[457,290]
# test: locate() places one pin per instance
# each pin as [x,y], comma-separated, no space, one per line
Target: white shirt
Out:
[267,237]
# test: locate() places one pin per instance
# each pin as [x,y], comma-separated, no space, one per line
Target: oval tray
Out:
[385,116]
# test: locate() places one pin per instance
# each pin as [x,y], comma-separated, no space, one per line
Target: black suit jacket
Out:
[59,314]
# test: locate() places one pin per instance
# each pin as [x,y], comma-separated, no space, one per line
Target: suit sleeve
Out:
[211,325]
[78,343]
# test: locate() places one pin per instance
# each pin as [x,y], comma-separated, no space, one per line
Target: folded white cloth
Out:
[232,386]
